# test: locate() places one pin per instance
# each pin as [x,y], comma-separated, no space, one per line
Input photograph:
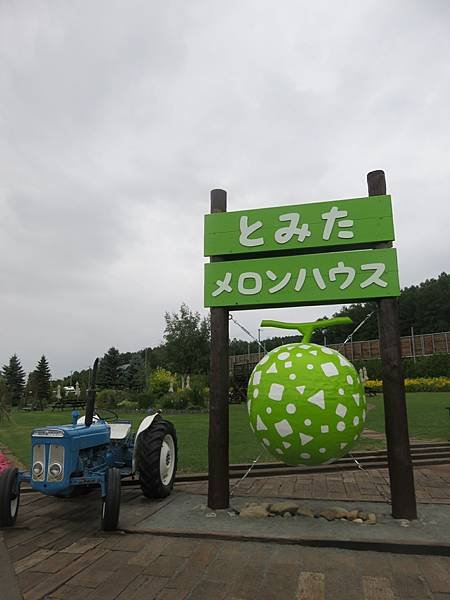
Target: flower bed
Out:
[4,464]
[419,384]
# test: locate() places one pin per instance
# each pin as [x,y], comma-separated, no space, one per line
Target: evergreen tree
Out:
[14,378]
[108,373]
[42,382]
[30,393]
[5,401]
[136,374]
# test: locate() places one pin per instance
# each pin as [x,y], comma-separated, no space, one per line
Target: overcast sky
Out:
[118,118]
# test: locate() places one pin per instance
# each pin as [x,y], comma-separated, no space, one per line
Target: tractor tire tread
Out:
[149,448]
[7,482]
[111,502]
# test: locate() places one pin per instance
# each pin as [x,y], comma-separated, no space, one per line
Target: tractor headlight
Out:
[55,470]
[55,462]
[38,462]
[38,467]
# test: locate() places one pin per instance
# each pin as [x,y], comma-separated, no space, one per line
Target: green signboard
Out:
[298,227]
[303,279]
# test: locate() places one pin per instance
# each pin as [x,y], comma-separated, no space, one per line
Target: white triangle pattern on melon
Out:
[318,399]
[305,439]
[259,424]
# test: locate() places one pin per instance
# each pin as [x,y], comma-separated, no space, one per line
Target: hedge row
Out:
[419,384]
[436,365]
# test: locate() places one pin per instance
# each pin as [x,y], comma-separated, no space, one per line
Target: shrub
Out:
[128,405]
[110,398]
[198,396]
[175,400]
[143,400]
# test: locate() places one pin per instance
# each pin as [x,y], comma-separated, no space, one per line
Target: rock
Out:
[287,514]
[328,514]
[280,508]
[265,505]
[304,511]
[340,512]
[352,515]
[358,520]
[371,518]
[362,515]
[334,513]
[404,523]
[254,511]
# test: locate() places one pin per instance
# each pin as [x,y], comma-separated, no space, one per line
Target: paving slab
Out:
[9,585]
[188,514]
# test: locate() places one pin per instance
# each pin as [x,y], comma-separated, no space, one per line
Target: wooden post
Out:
[401,474]
[218,461]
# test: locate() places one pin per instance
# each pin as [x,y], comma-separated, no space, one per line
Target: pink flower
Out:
[4,464]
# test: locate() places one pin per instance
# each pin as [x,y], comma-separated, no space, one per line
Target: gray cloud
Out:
[117,119]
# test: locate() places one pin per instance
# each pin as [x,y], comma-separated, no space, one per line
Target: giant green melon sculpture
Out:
[306,402]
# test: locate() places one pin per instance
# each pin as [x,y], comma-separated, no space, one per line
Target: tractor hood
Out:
[78,436]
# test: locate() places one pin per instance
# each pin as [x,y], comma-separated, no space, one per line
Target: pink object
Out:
[4,463]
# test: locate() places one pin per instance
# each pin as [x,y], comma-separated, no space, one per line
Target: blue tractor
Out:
[92,452]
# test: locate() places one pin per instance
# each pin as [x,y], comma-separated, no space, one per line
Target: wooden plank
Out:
[303,279]
[436,571]
[377,588]
[83,545]
[218,438]
[32,560]
[116,583]
[396,420]
[311,586]
[274,229]
[53,582]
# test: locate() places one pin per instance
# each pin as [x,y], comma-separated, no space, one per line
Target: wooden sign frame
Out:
[396,424]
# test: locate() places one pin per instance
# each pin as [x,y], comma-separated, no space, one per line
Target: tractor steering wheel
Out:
[108,410]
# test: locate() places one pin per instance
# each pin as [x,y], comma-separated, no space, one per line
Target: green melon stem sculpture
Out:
[306,329]
[306,403]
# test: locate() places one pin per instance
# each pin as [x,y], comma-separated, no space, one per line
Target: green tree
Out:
[43,382]
[187,341]
[14,378]
[108,373]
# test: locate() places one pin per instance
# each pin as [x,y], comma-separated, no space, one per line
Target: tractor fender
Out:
[145,424]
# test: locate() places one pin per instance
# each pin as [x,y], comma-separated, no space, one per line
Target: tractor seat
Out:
[119,431]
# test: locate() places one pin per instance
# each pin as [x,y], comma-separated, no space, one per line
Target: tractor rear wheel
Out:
[9,497]
[111,502]
[157,458]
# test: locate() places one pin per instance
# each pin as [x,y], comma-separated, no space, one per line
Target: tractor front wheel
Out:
[9,497]
[157,459]
[111,502]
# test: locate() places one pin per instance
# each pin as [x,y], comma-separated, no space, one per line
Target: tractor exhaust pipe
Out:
[90,396]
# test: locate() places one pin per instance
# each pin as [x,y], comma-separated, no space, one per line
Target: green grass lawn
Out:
[428,419]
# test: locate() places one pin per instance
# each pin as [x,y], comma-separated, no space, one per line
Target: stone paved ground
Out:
[432,485]
[59,552]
